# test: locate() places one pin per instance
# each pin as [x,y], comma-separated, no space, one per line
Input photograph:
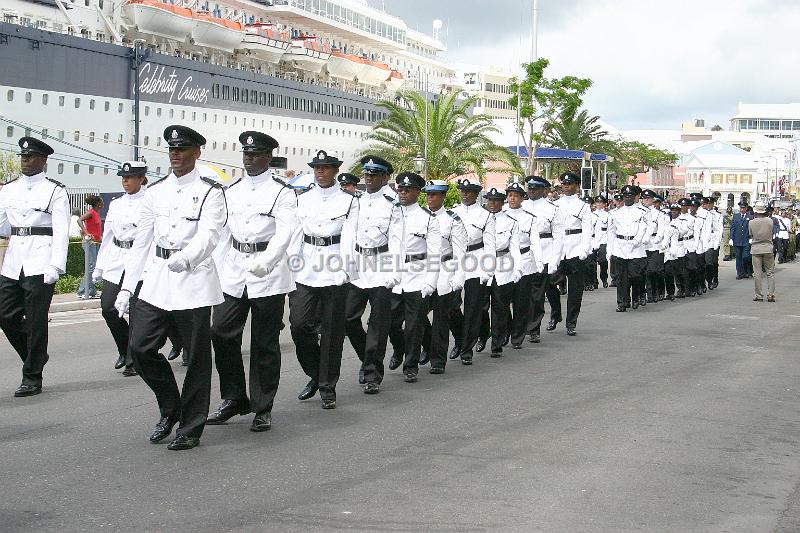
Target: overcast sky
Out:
[654,63]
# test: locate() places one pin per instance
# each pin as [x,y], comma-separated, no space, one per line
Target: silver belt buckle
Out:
[246,248]
[319,241]
[23,232]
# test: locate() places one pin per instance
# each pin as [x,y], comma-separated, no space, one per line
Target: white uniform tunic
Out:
[673,240]
[178,213]
[422,244]
[703,230]
[120,229]
[509,265]
[479,224]
[260,209]
[380,227]
[324,214]
[529,243]
[600,229]
[551,230]
[656,228]
[454,248]
[688,220]
[627,230]
[34,201]
[577,227]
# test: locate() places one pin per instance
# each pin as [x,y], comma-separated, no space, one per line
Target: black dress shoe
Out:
[329,403]
[410,376]
[361,379]
[455,352]
[372,388]
[670,297]
[571,331]
[129,371]
[642,301]
[535,338]
[552,325]
[27,390]
[516,346]
[183,442]
[496,353]
[466,358]
[680,295]
[424,358]
[395,361]
[227,410]
[437,369]
[613,284]
[480,345]
[262,422]
[605,284]
[308,391]
[120,362]
[162,429]
[174,353]
[507,340]
[621,309]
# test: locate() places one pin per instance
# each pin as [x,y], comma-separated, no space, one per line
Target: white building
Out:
[773,120]
[722,170]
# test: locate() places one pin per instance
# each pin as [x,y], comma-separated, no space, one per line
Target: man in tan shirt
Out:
[761,251]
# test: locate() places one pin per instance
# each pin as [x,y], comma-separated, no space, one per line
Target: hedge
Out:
[75,264]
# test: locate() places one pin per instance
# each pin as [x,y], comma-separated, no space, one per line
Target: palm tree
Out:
[574,130]
[457,142]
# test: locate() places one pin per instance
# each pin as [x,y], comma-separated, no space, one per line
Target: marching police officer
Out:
[446,301]
[627,231]
[255,278]
[421,246]
[479,259]
[378,243]
[674,255]
[600,241]
[577,246]
[590,275]
[348,183]
[688,220]
[34,212]
[182,215]
[551,236]
[120,229]
[325,247]
[655,258]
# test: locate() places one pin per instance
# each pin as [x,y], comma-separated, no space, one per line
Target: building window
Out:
[76,168]
[61,101]
[77,103]
[28,97]
[224,146]
[146,140]
[171,113]
[10,131]
[107,105]
[158,111]
[91,104]
[746,179]
[730,178]
[91,169]
[91,136]
[183,114]
[716,178]
[45,98]
[233,147]
[10,95]
[214,145]
[105,138]
[119,107]
[119,139]
[61,168]
[147,110]
[77,136]
[60,135]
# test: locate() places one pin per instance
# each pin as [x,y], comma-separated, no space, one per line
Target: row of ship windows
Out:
[494,104]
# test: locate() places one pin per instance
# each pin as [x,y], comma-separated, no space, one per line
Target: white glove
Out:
[178,263]
[258,270]
[454,286]
[516,276]
[123,302]
[391,283]
[486,278]
[426,291]
[51,275]
[97,275]
[730,242]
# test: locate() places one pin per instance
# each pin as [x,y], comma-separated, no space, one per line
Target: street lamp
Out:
[775,191]
[419,164]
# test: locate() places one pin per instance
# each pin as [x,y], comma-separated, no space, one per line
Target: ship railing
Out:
[77,195]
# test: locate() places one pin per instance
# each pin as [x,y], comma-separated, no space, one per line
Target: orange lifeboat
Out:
[374,72]
[345,66]
[396,81]
[308,53]
[160,18]
[215,32]
[264,42]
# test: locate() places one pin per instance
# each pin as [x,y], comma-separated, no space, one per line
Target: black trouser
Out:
[321,360]
[691,270]
[23,318]
[476,303]
[629,274]
[712,265]
[672,273]
[410,308]
[572,270]
[447,319]
[539,283]
[521,303]
[174,336]
[590,263]
[654,274]
[602,260]
[370,345]
[117,325]
[553,295]
[148,333]
[612,269]
[681,275]
[700,272]
[501,296]
[229,319]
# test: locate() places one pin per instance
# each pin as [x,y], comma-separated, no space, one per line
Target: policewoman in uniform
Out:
[34,212]
[121,225]
[627,230]
[325,246]
[378,243]
[348,183]
[180,222]
[600,240]
[255,277]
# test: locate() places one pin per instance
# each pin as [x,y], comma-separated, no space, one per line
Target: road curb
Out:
[77,305]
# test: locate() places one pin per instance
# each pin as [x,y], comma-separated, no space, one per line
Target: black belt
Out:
[165,253]
[415,257]
[248,248]
[372,251]
[688,237]
[681,239]
[322,241]
[476,246]
[654,234]
[626,237]
[32,230]
[447,257]
[525,250]
[501,253]
[123,244]
[545,235]
[573,231]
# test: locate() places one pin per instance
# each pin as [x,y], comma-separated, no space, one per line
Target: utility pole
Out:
[535,32]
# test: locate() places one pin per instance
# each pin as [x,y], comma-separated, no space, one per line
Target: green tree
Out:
[716,127]
[542,99]
[634,157]
[9,166]
[457,142]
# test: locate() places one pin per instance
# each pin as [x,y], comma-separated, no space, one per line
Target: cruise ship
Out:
[308,72]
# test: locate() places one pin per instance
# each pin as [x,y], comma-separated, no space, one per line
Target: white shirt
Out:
[689,241]
[656,228]
[528,227]
[260,209]
[479,224]
[600,228]
[34,201]
[627,230]
[509,259]
[551,223]
[421,238]
[454,244]
[703,230]
[380,224]
[577,218]
[121,224]
[183,213]
[322,213]
[675,247]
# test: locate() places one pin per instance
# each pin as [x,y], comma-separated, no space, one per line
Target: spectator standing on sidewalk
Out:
[727,246]
[92,232]
[761,251]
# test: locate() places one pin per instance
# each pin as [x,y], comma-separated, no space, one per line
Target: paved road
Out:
[679,417]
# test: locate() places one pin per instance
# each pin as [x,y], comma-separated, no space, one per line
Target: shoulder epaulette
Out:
[512,218]
[56,182]
[427,210]
[348,192]
[452,214]
[235,183]
[10,181]
[389,198]
[214,183]
[157,182]
[358,194]
[279,181]
[551,202]
[117,197]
